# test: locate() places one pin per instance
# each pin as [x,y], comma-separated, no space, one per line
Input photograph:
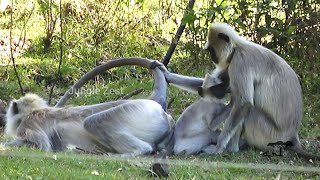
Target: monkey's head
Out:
[26,104]
[221,43]
[19,108]
[212,88]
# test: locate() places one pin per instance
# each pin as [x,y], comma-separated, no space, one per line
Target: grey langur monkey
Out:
[197,127]
[260,78]
[128,127]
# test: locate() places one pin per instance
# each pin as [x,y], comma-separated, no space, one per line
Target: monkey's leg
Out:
[56,142]
[231,128]
[234,141]
[119,141]
[214,123]
[215,135]
[19,143]
[129,128]
[233,145]
[192,145]
[207,149]
[129,145]
[33,137]
[260,130]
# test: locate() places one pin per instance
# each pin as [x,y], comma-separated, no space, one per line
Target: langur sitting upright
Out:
[260,78]
[130,127]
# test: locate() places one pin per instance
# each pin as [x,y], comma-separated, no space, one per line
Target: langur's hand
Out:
[157,64]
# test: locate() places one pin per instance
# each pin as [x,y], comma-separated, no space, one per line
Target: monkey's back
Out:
[276,87]
[196,117]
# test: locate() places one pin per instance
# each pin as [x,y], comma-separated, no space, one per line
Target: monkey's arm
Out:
[221,117]
[242,89]
[34,136]
[187,83]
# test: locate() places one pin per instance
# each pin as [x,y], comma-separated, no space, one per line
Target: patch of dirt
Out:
[19,45]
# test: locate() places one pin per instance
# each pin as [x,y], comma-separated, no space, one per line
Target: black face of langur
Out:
[219,90]
[213,54]
[15,109]
[221,40]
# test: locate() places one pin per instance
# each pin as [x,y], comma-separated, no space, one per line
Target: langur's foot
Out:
[211,149]
[155,64]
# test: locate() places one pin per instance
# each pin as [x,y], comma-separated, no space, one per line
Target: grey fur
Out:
[197,127]
[127,127]
[259,77]
[266,93]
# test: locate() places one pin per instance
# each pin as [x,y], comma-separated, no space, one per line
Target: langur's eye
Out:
[213,55]
[15,108]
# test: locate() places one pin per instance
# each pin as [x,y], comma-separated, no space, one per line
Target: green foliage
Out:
[92,29]
[49,10]
[283,26]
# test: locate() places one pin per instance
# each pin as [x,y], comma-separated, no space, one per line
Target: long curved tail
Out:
[297,148]
[160,88]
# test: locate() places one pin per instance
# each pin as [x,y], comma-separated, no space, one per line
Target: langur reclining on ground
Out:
[130,127]
[197,126]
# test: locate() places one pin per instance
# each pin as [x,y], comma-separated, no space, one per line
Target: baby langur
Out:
[129,127]
[215,85]
[197,127]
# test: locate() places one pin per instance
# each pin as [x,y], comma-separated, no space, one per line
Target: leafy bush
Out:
[92,29]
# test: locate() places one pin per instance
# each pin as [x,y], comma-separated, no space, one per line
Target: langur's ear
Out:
[224,37]
[200,91]
[15,109]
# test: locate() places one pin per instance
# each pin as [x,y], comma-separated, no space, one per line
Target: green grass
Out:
[38,69]
[36,164]
[27,163]
[249,164]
